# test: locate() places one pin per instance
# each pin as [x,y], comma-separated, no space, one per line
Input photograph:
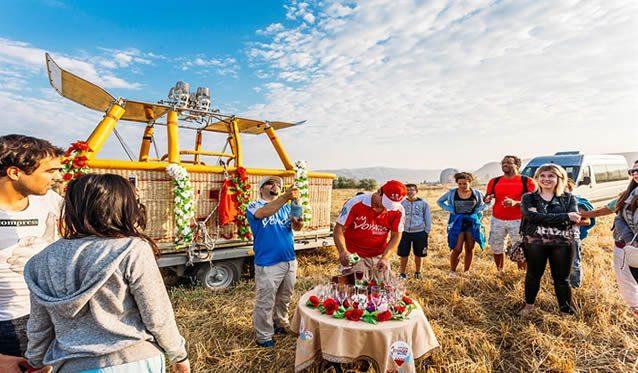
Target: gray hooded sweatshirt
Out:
[98,302]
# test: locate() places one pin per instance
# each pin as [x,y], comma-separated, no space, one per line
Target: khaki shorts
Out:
[499,230]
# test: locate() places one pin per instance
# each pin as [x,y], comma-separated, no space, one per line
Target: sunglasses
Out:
[631,171]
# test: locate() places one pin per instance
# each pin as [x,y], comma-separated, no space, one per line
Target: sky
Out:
[392,83]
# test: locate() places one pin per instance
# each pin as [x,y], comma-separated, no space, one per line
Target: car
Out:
[599,177]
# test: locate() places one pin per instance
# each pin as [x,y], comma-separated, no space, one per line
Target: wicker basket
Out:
[155,190]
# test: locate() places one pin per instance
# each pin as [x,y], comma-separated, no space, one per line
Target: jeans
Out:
[13,336]
[576,277]
[560,259]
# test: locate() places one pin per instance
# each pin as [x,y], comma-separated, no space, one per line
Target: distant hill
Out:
[383,174]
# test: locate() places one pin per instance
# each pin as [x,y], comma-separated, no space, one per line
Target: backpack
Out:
[496,180]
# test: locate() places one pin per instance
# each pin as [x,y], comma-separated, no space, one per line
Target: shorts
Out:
[499,230]
[466,226]
[417,241]
[13,336]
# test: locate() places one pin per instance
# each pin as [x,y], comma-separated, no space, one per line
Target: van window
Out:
[600,173]
[572,171]
[609,173]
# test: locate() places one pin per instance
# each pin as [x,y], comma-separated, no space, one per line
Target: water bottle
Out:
[296,210]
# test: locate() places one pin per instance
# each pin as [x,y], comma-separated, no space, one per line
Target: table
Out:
[343,341]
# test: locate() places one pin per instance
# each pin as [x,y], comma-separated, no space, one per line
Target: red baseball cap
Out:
[393,193]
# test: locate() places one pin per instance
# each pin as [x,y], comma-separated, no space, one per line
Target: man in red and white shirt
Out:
[364,224]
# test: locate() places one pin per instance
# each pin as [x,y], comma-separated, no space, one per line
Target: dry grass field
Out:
[473,315]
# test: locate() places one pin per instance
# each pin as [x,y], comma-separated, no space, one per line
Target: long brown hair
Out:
[103,206]
[624,195]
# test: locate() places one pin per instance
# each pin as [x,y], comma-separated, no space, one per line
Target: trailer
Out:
[214,254]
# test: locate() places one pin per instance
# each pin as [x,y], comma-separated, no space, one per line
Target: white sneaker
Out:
[453,274]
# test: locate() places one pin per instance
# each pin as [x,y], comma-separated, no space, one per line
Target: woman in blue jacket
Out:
[465,205]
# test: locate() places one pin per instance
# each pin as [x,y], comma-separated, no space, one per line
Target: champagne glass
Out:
[375,295]
[341,293]
[358,277]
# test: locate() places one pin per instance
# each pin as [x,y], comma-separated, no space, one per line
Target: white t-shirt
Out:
[22,236]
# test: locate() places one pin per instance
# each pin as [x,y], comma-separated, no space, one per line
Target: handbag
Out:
[515,253]
[630,253]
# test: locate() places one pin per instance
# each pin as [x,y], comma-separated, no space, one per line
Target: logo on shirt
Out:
[18,222]
[361,222]
[275,220]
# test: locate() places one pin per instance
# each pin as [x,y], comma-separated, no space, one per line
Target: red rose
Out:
[68,152]
[314,300]
[399,308]
[78,174]
[407,300]
[247,187]
[372,283]
[354,314]
[81,146]
[330,305]
[384,316]
[346,303]
[79,161]
[67,177]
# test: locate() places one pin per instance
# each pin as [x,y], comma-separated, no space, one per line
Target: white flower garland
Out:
[301,182]
[184,205]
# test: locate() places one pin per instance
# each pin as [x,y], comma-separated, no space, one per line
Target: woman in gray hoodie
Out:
[98,302]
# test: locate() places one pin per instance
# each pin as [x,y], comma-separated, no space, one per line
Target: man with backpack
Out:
[507,191]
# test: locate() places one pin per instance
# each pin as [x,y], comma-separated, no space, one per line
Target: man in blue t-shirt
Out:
[272,220]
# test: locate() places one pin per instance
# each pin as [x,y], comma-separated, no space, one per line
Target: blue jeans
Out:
[576,276]
[13,336]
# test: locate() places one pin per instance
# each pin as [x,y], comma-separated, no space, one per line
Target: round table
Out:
[344,341]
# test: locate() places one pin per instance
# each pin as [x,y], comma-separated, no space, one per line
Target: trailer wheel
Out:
[219,275]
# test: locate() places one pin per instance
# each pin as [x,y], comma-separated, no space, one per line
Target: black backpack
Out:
[523,179]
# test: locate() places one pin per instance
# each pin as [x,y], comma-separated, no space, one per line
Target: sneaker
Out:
[403,276]
[266,344]
[417,275]
[280,330]
[453,274]
[568,310]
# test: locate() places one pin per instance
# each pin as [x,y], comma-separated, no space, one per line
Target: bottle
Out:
[296,210]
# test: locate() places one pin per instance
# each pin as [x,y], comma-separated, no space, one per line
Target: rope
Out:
[127,150]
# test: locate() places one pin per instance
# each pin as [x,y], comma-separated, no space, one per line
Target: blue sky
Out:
[415,84]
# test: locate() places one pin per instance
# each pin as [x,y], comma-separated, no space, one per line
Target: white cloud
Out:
[271,29]
[23,58]
[222,66]
[454,83]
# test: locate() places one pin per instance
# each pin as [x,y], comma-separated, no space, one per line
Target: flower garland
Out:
[184,205]
[74,164]
[301,182]
[240,187]
[362,311]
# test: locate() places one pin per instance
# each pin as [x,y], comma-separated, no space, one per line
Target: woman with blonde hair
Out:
[549,215]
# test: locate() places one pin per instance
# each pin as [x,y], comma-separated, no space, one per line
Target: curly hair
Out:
[463,175]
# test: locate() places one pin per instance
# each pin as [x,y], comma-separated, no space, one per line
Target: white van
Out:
[599,177]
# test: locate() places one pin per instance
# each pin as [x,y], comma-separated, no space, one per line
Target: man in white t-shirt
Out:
[29,211]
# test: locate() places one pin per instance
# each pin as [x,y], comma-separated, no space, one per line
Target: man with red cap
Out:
[363,227]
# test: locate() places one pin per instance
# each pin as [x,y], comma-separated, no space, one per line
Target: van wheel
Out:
[219,275]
